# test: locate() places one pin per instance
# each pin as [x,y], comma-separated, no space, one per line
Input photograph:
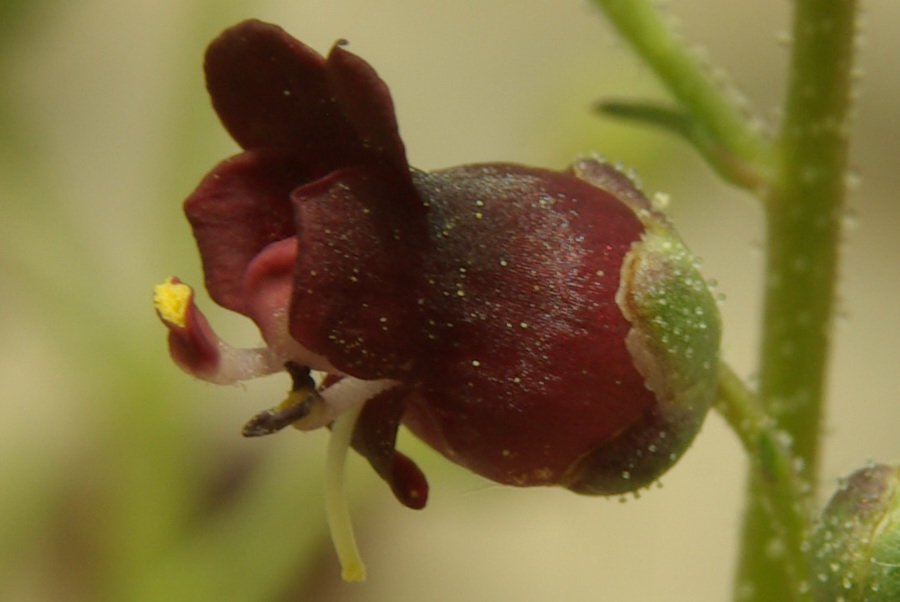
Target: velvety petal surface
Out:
[366,103]
[356,297]
[375,436]
[271,90]
[240,208]
[528,368]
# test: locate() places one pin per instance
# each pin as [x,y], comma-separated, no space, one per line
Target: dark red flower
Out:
[537,327]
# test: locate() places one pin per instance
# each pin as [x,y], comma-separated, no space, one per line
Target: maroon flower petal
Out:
[271,90]
[356,295]
[367,105]
[374,438]
[636,456]
[241,207]
[527,367]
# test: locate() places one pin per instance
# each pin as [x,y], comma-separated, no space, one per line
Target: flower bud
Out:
[856,548]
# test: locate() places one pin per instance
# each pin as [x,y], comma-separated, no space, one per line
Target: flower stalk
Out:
[780,488]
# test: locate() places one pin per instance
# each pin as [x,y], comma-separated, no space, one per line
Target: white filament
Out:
[345,395]
[336,509]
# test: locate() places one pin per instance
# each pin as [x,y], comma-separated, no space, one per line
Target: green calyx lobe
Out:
[675,332]
[674,343]
[855,552]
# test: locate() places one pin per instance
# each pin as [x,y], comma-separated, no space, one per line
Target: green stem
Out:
[741,409]
[804,217]
[802,181]
[805,205]
[743,153]
[778,489]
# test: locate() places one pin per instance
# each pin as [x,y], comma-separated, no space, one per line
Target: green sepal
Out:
[855,552]
[675,324]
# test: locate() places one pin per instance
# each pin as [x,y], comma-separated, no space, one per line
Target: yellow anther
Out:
[171,300]
[315,407]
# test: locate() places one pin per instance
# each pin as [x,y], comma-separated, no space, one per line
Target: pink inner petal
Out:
[269,286]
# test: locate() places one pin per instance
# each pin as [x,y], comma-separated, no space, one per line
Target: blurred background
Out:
[123,479]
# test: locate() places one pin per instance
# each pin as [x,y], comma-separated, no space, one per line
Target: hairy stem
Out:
[806,205]
[778,489]
[804,210]
[801,179]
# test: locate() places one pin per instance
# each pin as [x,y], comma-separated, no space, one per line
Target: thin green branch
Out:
[741,409]
[684,125]
[714,109]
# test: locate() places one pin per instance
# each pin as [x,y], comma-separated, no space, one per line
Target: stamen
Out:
[197,349]
[302,400]
[171,300]
[341,397]
[352,567]
[294,408]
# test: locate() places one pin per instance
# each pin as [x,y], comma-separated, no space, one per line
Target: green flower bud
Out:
[856,549]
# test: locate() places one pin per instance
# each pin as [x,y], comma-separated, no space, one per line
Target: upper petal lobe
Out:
[272,91]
